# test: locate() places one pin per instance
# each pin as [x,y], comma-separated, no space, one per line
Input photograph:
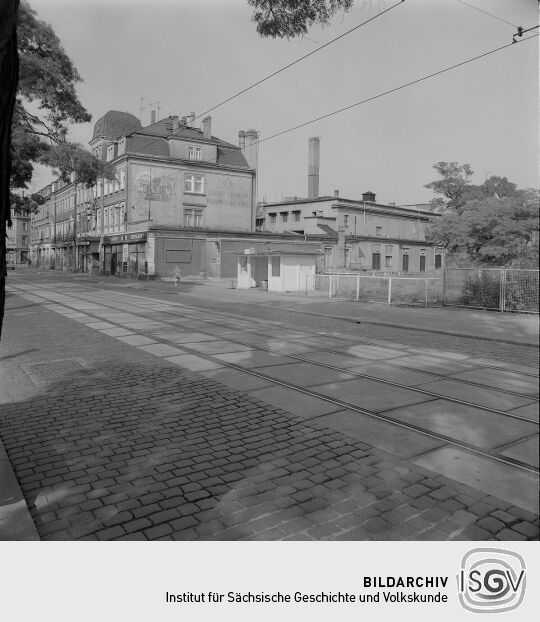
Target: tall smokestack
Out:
[313,167]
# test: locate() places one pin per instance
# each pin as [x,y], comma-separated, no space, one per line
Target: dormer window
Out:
[194,153]
[122,146]
[110,152]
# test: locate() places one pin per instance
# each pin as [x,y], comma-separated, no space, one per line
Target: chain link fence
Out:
[411,291]
[501,289]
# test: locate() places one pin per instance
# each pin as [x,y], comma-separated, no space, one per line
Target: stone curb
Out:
[15,519]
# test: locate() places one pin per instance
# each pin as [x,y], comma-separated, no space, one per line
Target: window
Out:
[405,260]
[378,230]
[438,262]
[24,240]
[284,216]
[25,226]
[272,217]
[110,153]
[296,215]
[376,261]
[276,266]
[346,220]
[388,261]
[194,153]
[122,180]
[422,263]
[193,218]
[194,183]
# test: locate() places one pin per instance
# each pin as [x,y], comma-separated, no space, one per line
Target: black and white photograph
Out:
[269,274]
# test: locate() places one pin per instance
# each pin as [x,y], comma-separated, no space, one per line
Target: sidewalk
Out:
[512,328]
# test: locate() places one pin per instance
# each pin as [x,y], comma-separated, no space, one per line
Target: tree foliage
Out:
[291,18]
[46,103]
[454,180]
[493,231]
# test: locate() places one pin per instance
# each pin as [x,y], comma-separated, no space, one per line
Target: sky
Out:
[191,54]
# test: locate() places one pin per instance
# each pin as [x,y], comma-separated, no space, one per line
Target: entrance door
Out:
[260,269]
[376,261]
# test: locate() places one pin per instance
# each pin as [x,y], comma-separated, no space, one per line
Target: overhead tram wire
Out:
[487,13]
[379,95]
[298,60]
[295,62]
[397,88]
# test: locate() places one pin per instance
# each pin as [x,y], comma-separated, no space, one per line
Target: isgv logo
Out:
[491,580]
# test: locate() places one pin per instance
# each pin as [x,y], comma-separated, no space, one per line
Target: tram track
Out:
[359,341]
[342,404]
[436,375]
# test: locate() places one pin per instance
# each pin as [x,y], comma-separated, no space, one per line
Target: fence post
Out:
[330,287]
[357,288]
[444,287]
[389,290]
[502,291]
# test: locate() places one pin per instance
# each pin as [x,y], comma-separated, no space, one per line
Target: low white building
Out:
[278,268]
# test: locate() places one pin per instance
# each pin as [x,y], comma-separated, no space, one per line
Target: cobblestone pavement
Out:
[150,453]
[130,446]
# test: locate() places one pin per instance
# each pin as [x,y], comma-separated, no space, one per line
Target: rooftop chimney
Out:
[313,167]
[175,123]
[368,196]
[336,194]
[251,147]
[242,139]
[191,118]
[207,128]
[152,117]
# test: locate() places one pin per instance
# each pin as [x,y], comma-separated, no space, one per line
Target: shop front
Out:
[124,255]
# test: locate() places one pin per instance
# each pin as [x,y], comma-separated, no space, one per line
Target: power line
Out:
[275,73]
[298,60]
[487,13]
[397,88]
[379,95]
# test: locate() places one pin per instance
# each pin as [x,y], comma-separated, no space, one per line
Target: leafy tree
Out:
[290,18]
[38,101]
[46,102]
[453,185]
[493,231]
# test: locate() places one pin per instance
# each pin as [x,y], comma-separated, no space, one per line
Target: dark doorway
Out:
[376,261]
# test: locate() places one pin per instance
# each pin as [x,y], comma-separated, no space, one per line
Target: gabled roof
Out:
[140,143]
[154,140]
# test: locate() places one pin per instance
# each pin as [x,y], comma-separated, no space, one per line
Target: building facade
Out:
[18,239]
[175,184]
[358,234]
